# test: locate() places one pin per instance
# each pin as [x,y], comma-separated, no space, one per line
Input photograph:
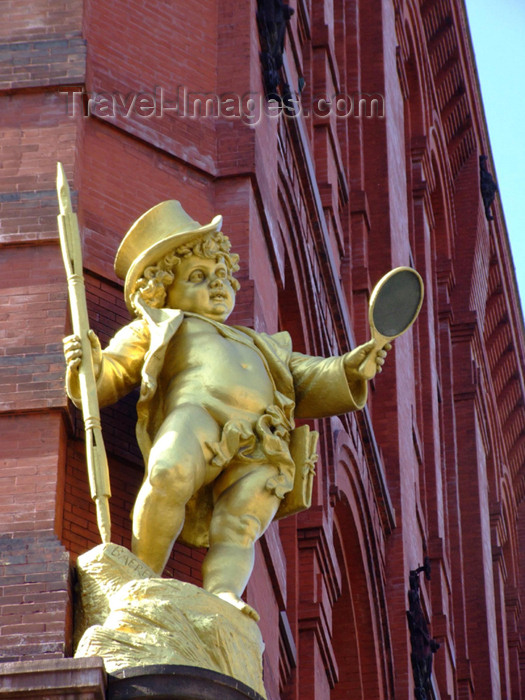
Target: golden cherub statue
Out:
[217,403]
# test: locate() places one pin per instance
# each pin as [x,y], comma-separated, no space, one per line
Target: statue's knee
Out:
[243,530]
[174,481]
[250,527]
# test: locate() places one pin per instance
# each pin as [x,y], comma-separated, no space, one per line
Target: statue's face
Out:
[201,286]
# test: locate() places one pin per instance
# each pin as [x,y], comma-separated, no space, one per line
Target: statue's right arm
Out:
[117,368]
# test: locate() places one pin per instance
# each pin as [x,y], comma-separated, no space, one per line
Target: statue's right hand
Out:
[73,352]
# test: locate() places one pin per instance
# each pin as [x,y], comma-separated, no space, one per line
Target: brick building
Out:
[378,167]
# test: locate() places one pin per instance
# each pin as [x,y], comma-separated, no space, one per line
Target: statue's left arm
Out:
[330,386]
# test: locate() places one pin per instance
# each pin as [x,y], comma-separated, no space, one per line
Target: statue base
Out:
[130,617]
[177,682]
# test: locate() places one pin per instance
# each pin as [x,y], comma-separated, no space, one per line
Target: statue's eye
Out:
[196,276]
[221,273]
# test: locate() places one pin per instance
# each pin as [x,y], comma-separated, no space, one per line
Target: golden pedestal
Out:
[130,617]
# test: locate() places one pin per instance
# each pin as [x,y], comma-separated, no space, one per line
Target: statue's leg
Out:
[176,470]
[240,516]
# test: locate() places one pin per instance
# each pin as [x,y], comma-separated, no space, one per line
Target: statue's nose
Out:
[217,282]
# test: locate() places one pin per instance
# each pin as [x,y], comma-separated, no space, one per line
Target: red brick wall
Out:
[318,208]
[42,49]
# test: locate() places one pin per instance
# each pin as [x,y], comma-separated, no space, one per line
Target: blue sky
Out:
[498,36]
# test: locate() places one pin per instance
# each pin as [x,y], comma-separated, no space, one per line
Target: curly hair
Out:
[156,279]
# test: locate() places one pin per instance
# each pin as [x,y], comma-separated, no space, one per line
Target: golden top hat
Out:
[156,233]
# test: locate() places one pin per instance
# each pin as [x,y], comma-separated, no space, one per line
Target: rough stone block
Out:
[133,618]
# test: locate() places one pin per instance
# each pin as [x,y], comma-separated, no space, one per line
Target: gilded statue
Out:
[217,402]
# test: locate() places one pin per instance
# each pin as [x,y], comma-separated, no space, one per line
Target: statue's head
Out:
[168,259]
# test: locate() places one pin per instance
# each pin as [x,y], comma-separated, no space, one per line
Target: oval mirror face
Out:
[397,302]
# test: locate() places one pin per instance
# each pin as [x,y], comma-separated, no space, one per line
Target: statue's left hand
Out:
[356,358]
